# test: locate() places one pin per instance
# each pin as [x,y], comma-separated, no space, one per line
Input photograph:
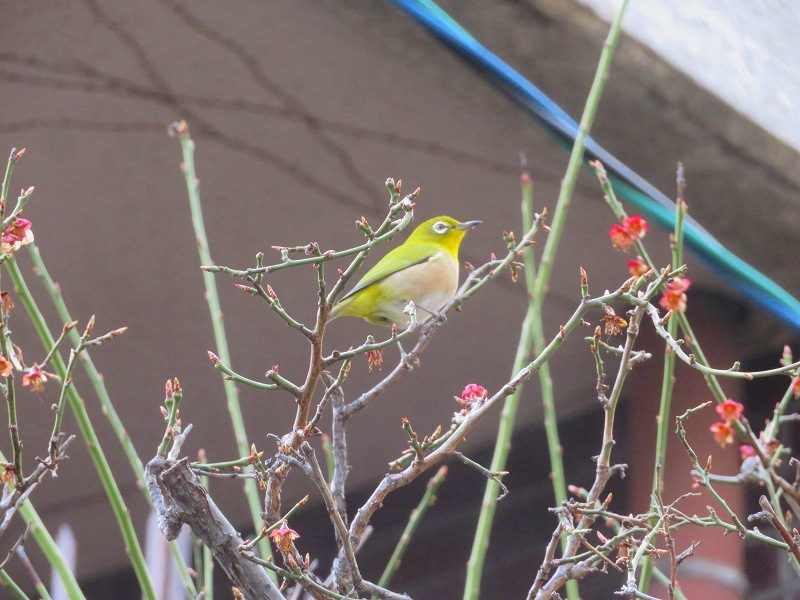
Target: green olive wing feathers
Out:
[397,260]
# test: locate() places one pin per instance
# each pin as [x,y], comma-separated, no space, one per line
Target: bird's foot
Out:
[437,316]
[408,363]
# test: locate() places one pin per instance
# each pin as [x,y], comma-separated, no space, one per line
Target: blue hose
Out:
[627,183]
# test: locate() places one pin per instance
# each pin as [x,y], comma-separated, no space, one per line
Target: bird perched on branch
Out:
[423,270]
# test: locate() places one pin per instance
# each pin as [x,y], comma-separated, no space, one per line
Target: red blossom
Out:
[16,231]
[621,238]
[473,392]
[637,267]
[636,225]
[283,537]
[680,283]
[624,236]
[15,235]
[674,297]
[35,378]
[796,387]
[723,433]
[5,366]
[746,451]
[6,303]
[729,410]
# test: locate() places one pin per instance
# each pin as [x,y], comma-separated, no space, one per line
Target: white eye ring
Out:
[440,227]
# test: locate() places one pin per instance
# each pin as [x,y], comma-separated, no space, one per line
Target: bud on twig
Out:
[89,327]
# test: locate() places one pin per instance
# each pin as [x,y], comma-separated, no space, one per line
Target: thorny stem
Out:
[297,575]
[272,301]
[703,474]
[332,387]
[394,481]
[668,377]
[540,289]
[414,521]
[265,531]
[96,379]
[669,542]
[771,429]
[347,557]
[212,297]
[695,361]
[66,377]
[317,364]
[11,404]
[172,404]
[234,376]
[667,381]
[13,497]
[480,544]
[396,227]
[87,431]
[774,520]
[604,468]
[698,361]
[62,336]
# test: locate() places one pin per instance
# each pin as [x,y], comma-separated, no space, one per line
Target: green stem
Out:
[533,331]
[771,429]
[386,232]
[98,385]
[234,376]
[121,512]
[41,590]
[66,384]
[49,547]
[172,404]
[667,378]
[265,531]
[9,584]
[480,544]
[64,331]
[11,403]
[548,259]
[7,181]
[220,338]
[413,523]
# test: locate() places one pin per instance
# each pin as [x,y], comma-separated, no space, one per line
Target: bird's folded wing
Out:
[392,263]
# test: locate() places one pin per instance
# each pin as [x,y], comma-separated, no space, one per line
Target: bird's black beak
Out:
[467,224]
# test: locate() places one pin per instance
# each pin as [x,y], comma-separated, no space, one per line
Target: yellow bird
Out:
[424,270]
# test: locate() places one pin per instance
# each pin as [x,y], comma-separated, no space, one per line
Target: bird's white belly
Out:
[429,285]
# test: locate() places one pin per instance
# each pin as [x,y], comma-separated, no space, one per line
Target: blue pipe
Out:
[627,183]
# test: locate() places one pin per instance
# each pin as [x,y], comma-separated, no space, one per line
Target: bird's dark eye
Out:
[440,227]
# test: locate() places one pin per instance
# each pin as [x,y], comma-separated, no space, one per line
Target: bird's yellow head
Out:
[445,232]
